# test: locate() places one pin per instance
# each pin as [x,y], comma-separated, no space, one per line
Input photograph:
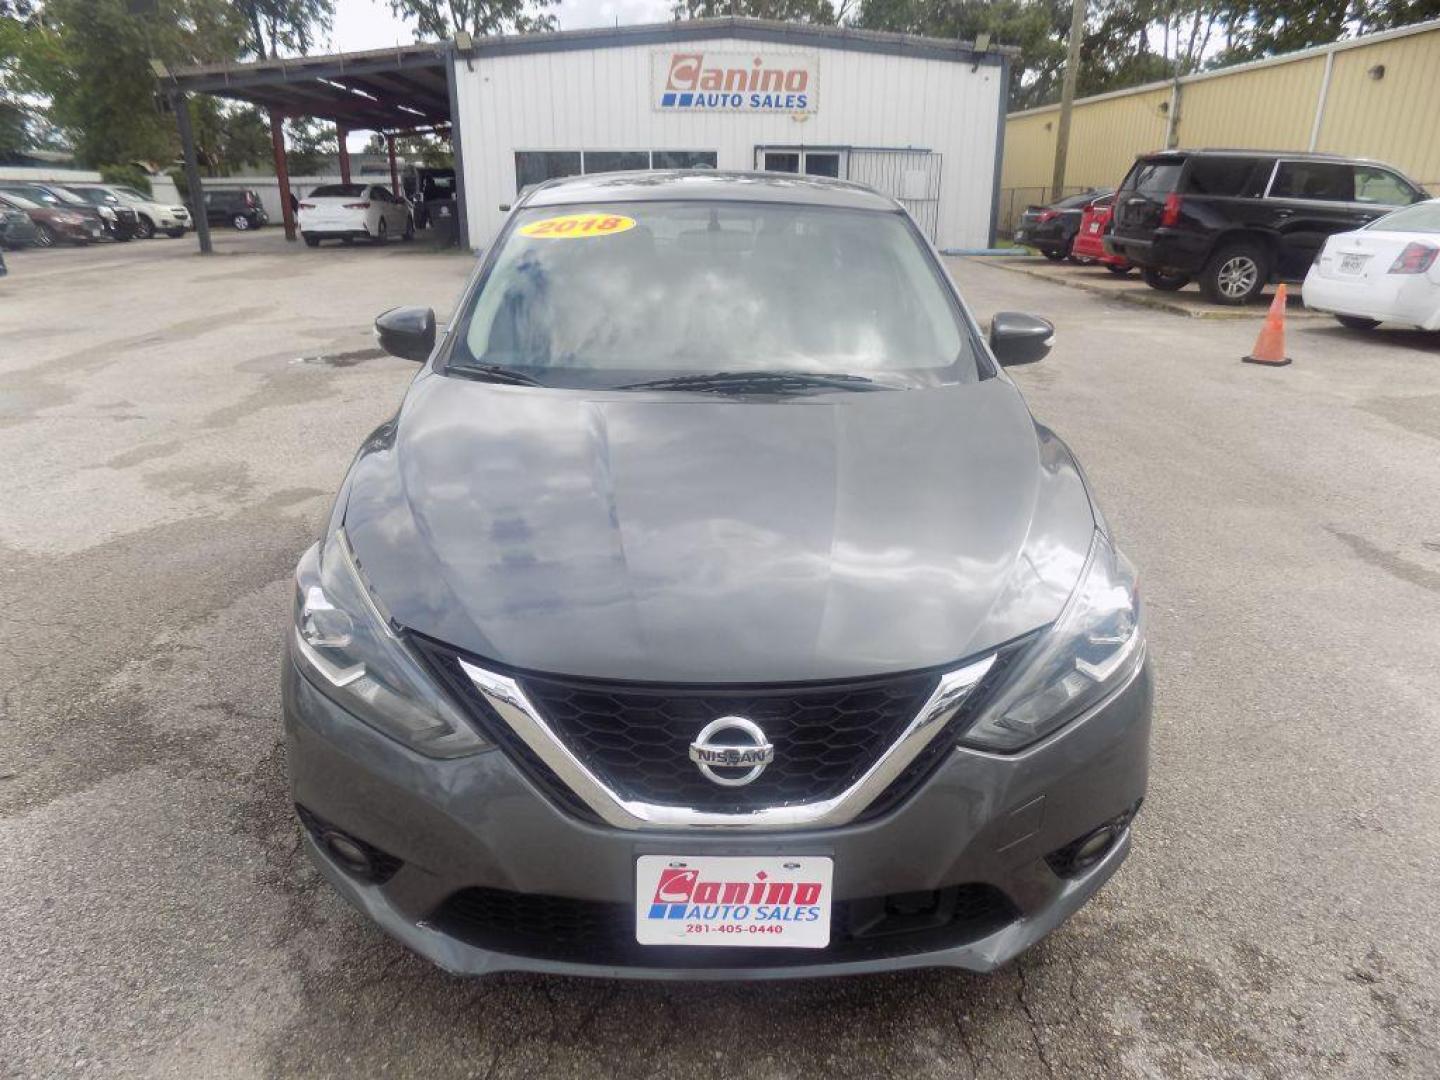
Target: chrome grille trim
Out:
[505,696]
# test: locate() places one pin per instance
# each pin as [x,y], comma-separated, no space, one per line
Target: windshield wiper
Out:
[771,381]
[495,373]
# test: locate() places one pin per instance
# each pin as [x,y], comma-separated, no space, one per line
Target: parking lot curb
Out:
[1149,298]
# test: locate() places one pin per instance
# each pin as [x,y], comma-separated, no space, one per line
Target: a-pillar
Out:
[282,171]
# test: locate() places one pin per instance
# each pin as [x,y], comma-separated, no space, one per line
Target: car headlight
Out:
[107,213]
[344,642]
[1093,647]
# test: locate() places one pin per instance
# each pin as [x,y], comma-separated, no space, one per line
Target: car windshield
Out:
[610,295]
[338,191]
[1422,218]
[93,195]
[130,194]
[20,201]
[68,197]
[1072,201]
[36,194]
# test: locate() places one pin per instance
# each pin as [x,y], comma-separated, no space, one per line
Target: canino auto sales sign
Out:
[758,82]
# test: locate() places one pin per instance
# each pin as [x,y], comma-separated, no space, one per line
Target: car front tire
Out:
[1236,274]
[1158,279]
[240,222]
[144,228]
[1054,254]
[382,231]
[311,241]
[1356,322]
[1119,271]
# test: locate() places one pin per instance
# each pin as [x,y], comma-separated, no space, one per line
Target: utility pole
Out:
[1067,97]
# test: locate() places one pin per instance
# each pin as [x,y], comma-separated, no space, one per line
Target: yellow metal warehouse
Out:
[1376,96]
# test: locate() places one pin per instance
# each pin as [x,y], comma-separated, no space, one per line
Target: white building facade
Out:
[917,118]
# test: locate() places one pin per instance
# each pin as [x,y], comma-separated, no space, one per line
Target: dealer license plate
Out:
[765,901]
[1352,264]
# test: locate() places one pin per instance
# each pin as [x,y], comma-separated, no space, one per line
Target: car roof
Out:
[1268,155]
[658,185]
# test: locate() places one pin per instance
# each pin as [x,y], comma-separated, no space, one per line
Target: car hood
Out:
[689,538]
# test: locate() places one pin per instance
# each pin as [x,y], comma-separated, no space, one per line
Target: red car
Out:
[1089,242]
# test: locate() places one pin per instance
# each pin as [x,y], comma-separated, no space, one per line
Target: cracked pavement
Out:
[171,432]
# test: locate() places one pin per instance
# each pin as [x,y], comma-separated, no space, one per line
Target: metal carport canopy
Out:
[382,90]
[386,90]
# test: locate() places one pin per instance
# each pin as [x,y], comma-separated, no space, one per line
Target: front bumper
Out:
[477,822]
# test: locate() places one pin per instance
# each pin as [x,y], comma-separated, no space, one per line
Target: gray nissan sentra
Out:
[713,606]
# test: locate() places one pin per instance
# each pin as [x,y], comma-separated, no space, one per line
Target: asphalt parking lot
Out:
[172,429]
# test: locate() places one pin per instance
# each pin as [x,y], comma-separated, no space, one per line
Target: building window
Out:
[684,159]
[598,161]
[536,166]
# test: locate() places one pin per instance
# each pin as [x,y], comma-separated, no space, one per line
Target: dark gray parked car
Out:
[714,607]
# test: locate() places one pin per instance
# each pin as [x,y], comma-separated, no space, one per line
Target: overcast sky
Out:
[368,24]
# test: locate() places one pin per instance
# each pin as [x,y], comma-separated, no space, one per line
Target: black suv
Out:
[1239,219]
[240,209]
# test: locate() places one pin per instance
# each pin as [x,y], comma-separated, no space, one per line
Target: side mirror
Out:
[407,332]
[1017,338]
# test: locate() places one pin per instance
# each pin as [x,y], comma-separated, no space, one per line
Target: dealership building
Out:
[920,119]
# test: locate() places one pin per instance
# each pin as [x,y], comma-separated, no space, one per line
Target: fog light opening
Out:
[353,855]
[1093,848]
[348,853]
[1089,849]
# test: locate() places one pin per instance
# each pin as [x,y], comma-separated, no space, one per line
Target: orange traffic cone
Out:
[1270,345]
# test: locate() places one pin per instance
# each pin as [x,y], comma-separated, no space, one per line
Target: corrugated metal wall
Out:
[1395,119]
[1266,108]
[600,99]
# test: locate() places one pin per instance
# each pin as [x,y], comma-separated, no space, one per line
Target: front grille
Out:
[596,932]
[637,737]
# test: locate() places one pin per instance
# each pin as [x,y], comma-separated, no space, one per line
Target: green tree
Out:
[442,18]
[308,146]
[1039,27]
[820,12]
[277,27]
[91,60]
[422,148]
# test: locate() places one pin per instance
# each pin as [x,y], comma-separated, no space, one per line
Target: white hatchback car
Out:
[1386,272]
[354,212]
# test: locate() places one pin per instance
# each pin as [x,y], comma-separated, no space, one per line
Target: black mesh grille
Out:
[637,738]
[594,932]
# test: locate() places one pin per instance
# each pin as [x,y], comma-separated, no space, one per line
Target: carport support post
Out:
[180,103]
[394,171]
[282,172]
[341,133]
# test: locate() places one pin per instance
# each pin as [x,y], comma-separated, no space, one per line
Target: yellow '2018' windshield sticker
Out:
[578,226]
